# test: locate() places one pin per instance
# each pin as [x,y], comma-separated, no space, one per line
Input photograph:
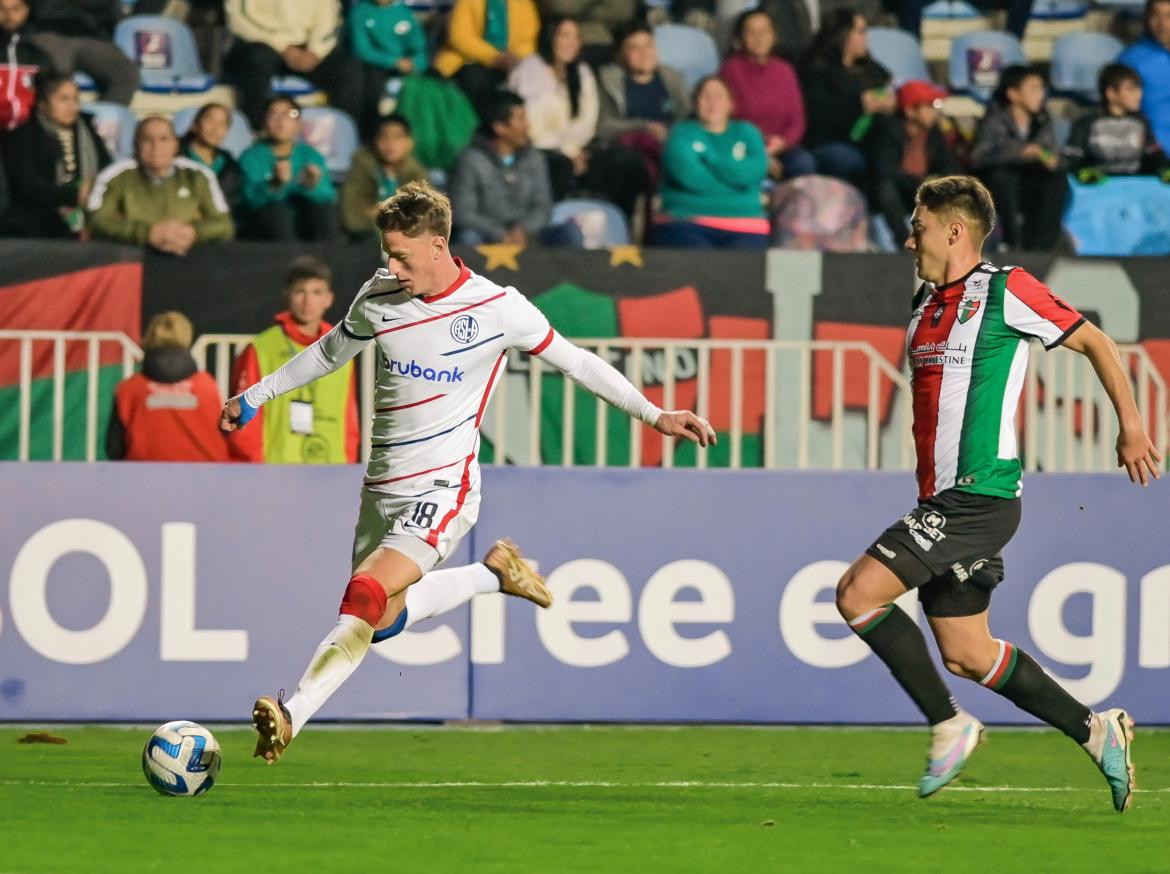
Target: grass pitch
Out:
[586,799]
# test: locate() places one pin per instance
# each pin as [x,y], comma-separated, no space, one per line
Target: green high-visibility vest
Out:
[329,397]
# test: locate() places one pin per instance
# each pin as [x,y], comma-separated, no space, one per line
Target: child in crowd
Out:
[377,171]
[1116,139]
[203,143]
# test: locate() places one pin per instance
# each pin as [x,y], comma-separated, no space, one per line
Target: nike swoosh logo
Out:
[392,318]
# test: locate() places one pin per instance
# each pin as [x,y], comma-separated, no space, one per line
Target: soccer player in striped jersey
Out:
[443,334]
[968,351]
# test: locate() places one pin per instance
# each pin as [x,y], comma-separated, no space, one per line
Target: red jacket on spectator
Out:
[21,61]
[768,95]
[168,412]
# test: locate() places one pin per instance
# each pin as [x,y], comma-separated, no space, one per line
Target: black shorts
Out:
[950,547]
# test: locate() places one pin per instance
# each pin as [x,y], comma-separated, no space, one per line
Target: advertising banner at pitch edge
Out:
[152,592]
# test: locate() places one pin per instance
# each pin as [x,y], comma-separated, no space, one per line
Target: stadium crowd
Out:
[516,105]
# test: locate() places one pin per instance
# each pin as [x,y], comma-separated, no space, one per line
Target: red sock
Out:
[364,598]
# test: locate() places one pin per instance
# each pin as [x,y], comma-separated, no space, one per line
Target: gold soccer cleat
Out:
[516,575]
[273,726]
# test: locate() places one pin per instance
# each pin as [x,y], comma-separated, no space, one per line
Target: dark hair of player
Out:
[1115,75]
[307,267]
[962,196]
[415,209]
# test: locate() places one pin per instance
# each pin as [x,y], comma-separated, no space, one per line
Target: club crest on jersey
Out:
[968,306]
[464,329]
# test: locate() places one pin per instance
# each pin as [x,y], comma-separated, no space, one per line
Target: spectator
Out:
[485,40]
[293,38]
[845,93]
[599,20]
[1116,139]
[203,143]
[712,170]
[376,172]
[1150,58]
[318,423]
[78,35]
[908,151]
[500,190]
[387,38]
[169,411]
[51,161]
[766,92]
[23,60]
[287,193]
[560,100]
[157,198]
[640,100]
[1016,155]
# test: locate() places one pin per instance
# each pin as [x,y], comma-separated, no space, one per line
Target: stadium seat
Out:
[1059,10]
[1077,59]
[292,86]
[239,135]
[950,9]
[688,50]
[332,133]
[84,83]
[977,58]
[115,124]
[164,50]
[614,231]
[1128,215]
[899,52]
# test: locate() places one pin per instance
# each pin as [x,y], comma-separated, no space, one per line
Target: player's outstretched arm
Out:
[1136,452]
[330,353]
[592,373]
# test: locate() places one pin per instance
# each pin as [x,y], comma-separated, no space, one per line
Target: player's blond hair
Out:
[964,197]
[168,329]
[416,209]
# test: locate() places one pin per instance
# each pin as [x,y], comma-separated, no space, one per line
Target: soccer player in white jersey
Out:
[968,352]
[443,334]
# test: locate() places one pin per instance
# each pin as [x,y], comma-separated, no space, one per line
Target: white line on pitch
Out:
[585,784]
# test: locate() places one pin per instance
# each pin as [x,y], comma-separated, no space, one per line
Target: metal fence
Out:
[820,404]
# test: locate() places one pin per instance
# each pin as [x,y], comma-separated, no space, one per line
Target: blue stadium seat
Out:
[1077,59]
[977,59]
[84,82]
[292,86]
[950,10]
[1128,215]
[332,133]
[115,124]
[1059,10]
[164,50]
[899,52]
[239,135]
[688,50]
[616,232]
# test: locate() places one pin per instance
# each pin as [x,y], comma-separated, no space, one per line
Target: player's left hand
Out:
[684,423]
[1137,454]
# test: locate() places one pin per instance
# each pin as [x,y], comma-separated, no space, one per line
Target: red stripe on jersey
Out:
[464,275]
[487,389]
[926,382]
[464,488]
[542,345]
[382,482]
[408,406]
[441,315]
[1041,300]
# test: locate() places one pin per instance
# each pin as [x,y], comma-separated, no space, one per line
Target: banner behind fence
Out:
[151,592]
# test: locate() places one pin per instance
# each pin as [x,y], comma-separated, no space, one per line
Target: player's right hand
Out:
[684,423]
[236,413]
[1136,453]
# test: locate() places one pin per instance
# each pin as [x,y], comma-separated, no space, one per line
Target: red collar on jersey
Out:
[464,275]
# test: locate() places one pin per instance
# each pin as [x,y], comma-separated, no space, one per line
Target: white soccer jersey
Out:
[440,358]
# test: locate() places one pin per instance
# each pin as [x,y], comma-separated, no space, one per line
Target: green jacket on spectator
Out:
[367,184]
[709,174]
[384,35]
[258,164]
[125,203]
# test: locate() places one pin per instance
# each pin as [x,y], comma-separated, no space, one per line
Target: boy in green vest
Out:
[317,424]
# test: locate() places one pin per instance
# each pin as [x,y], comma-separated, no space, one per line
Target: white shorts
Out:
[424,526]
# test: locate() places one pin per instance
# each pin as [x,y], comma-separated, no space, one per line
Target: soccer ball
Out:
[181,758]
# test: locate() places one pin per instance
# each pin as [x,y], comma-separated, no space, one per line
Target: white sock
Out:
[440,591]
[336,658]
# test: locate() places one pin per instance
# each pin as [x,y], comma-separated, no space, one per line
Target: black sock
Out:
[1017,677]
[898,641]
